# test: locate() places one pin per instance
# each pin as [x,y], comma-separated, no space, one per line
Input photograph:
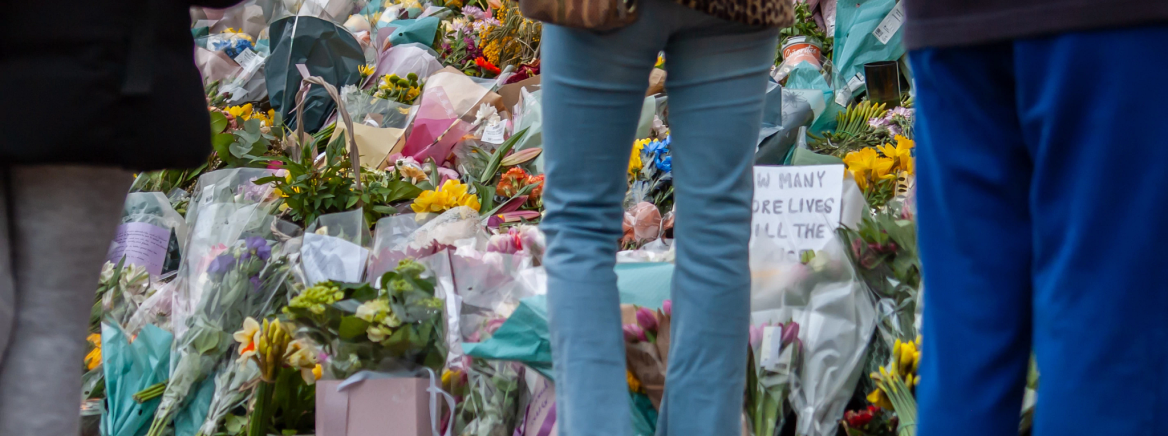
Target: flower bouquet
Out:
[238,282]
[775,357]
[647,349]
[376,340]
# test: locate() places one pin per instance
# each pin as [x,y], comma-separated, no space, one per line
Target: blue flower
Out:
[665,164]
[255,283]
[221,264]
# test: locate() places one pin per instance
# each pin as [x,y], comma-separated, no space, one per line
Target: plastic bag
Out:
[328,50]
[866,31]
[836,315]
[334,248]
[131,366]
[150,235]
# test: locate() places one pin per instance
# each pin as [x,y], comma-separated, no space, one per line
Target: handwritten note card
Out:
[797,207]
[142,244]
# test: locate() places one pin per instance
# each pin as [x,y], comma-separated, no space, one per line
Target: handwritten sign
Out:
[797,208]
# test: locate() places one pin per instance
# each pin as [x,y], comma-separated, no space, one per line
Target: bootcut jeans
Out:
[593,88]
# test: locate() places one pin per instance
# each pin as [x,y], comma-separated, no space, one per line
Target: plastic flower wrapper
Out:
[492,404]
[365,108]
[334,248]
[836,317]
[233,383]
[775,356]
[647,348]
[239,280]
[121,290]
[359,327]
[130,367]
[150,235]
[392,242]
[396,238]
[446,99]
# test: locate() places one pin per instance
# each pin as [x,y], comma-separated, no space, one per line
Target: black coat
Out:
[101,82]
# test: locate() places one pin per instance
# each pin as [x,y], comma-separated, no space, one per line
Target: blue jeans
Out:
[1042,206]
[593,88]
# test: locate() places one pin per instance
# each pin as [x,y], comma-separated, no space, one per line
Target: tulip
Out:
[667,307]
[634,333]
[755,336]
[647,319]
[790,332]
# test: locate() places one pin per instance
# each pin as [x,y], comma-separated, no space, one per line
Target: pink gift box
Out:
[374,407]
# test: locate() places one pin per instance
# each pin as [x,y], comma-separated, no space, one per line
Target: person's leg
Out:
[717,75]
[974,225]
[1099,204]
[60,223]
[593,88]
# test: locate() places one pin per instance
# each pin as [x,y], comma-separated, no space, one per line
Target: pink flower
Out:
[643,222]
[790,332]
[508,243]
[755,336]
[647,319]
[667,307]
[634,333]
[494,324]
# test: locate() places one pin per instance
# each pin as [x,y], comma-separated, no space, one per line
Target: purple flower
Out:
[634,333]
[256,283]
[221,264]
[259,246]
[646,319]
[667,307]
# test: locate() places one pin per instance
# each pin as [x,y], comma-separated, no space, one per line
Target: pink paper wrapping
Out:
[215,65]
[436,128]
[373,407]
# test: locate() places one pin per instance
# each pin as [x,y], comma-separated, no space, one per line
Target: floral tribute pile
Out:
[396,240]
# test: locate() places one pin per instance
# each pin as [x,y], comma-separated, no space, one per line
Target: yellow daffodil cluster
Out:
[93,359]
[272,347]
[451,194]
[635,163]
[239,33]
[867,166]
[247,112]
[906,358]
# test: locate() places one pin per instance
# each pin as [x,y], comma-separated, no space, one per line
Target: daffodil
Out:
[302,356]
[242,112]
[451,194]
[901,153]
[635,159]
[247,337]
[660,61]
[93,359]
[866,165]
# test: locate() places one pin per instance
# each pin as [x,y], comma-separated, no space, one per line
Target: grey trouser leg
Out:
[56,223]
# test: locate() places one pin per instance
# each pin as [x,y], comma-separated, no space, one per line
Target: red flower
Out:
[486,66]
[535,200]
[511,182]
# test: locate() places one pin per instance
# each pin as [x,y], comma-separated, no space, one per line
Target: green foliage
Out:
[497,158]
[852,131]
[804,25]
[242,147]
[345,327]
[884,251]
[312,190]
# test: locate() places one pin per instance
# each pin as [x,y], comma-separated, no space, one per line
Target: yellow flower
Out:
[93,359]
[413,174]
[413,93]
[365,70]
[451,194]
[301,355]
[634,384]
[866,165]
[247,337]
[316,374]
[635,159]
[901,153]
[660,61]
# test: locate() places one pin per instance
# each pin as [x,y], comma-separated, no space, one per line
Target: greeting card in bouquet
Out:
[373,407]
[540,419]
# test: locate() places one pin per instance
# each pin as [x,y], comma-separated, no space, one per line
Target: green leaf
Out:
[352,201]
[497,157]
[486,195]
[239,150]
[218,122]
[364,293]
[352,327]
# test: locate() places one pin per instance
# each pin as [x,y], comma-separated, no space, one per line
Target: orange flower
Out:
[486,66]
[512,181]
[536,198]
